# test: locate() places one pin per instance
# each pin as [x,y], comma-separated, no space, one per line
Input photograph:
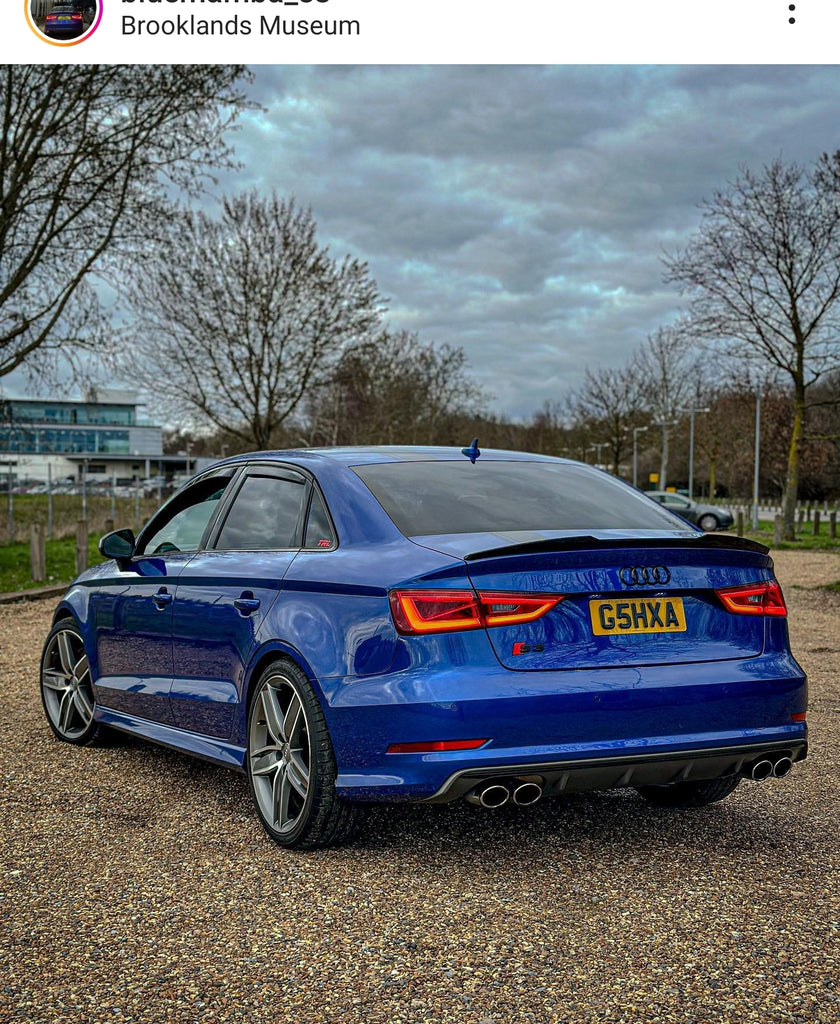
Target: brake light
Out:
[434,611]
[754,599]
[440,611]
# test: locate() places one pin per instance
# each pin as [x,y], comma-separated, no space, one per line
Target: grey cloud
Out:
[522,212]
[525,210]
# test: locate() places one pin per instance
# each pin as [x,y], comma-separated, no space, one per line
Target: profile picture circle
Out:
[63,22]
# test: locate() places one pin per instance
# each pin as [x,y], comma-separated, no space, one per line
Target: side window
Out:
[674,502]
[180,525]
[319,531]
[265,515]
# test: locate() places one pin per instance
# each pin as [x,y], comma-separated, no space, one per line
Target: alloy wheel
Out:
[280,753]
[66,685]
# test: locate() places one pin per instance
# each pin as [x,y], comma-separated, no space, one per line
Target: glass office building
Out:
[100,436]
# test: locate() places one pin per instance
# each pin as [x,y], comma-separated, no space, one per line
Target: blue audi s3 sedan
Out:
[351,625]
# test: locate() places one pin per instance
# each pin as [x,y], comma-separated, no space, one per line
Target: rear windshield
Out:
[425,498]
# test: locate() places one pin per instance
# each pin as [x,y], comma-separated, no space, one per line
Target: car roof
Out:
[372,454]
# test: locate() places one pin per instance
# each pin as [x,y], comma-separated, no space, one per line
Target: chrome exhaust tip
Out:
[495,795]
[490,796]
[526,793]
[783,767]
[761,770]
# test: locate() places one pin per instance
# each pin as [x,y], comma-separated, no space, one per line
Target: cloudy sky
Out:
[521,212]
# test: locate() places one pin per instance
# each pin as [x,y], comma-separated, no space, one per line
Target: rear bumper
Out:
[578,730]
[616,772]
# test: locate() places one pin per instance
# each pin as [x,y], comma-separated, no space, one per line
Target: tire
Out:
[690,794]
[66,686]
[291,765]
[708,523]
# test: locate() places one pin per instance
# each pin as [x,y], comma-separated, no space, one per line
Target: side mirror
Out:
[118,545]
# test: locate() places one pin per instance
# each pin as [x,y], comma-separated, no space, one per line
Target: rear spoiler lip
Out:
[587,542]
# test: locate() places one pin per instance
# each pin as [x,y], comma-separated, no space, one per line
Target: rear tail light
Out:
[513,609]
[434,611]
[754,599]
[440,611]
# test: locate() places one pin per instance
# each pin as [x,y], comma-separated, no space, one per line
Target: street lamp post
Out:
[597,447]
[692,412]
[636,432]
[757,456]
[663,468]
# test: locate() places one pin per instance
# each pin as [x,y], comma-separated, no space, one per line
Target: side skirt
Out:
[208,748]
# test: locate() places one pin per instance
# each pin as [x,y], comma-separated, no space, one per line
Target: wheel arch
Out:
[64,611]
[277,650]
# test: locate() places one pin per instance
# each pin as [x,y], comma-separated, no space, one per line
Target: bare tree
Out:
[612,398]
[763,273]
[237,319]
[667,368]
[87,158]
[395,389]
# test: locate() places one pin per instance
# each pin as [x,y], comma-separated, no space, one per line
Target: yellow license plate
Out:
[641,615]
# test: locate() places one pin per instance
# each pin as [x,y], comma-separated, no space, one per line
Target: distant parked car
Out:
[708,517]
[64,21]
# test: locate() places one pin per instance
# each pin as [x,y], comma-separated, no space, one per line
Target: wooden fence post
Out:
[81,545]
[832,525]
[777,530]
[109,525]
[816,522]
[740,522]
[37,552]
[801,519]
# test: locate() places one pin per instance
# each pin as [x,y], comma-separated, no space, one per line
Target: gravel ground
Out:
[137,885]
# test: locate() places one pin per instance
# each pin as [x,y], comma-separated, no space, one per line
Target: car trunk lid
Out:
[626,600]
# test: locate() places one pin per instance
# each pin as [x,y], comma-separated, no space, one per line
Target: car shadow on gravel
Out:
[617,820]
[598,823]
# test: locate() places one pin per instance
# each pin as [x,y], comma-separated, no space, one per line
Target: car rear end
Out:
[579,637]
[64,22]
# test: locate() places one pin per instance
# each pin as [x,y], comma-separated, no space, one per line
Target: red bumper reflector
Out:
[431,746]
[754,599]
[799,716]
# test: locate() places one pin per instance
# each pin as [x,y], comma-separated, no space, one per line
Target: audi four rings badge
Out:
[644,575]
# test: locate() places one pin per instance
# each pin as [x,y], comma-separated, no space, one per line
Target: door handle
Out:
[162,598]
[246,603]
